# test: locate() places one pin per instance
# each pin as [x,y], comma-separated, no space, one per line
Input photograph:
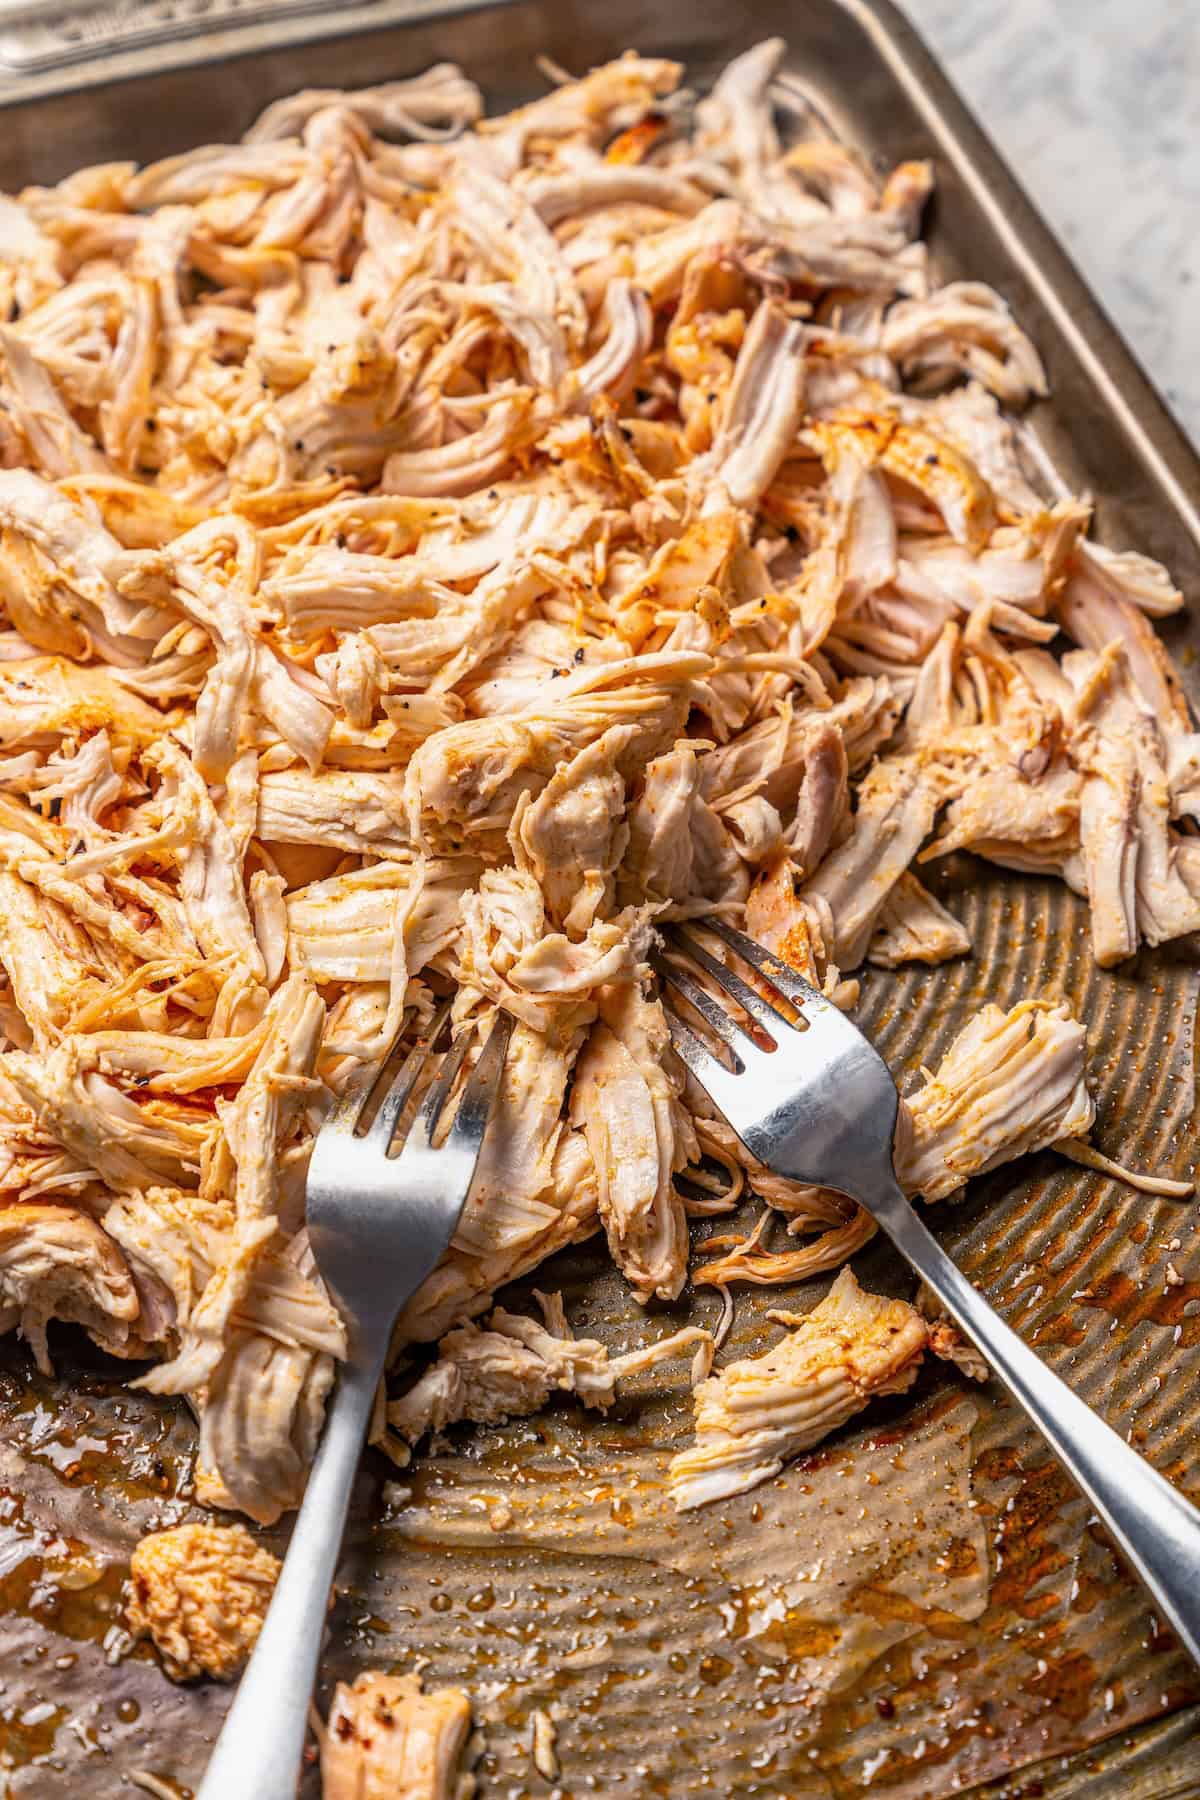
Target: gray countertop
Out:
[1094,104]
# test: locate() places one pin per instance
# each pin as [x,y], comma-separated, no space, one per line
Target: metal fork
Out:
[378,1224]
[816,1103]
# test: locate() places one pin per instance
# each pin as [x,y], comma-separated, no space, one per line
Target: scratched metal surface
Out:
[920,1607]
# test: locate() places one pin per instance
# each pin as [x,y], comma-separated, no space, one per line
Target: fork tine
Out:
[420,1132]
[382,1128]
[790,984]
[475,1104]
[349,1106]
[726,1028]
[760,1009]
[694,1051]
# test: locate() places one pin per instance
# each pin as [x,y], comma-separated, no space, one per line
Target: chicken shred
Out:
[758,1413]
[1011,1083]
[512,1366]
[384,1736]
[437,549]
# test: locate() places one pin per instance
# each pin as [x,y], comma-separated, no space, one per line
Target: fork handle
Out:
[258,1754]
[1157,1528]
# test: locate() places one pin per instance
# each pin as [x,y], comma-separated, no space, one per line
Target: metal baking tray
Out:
[920,1607]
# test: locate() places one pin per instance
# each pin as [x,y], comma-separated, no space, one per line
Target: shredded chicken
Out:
[434,550]
[757,1414]
[512,1366]
[56,1263]
[385,1737]
[1009,1084]
[201,1593]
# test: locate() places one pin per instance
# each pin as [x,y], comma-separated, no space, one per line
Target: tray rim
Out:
[1127,394]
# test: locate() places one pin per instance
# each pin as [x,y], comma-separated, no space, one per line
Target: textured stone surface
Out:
[1093,103]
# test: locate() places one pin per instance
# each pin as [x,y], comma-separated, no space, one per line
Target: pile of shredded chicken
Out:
[436,550]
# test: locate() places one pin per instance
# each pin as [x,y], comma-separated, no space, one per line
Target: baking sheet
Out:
[921,1605]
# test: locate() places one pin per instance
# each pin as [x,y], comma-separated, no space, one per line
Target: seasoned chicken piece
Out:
[807,240]
[797,764]
[1139,580]
[973,421]
[1010,1083]
[51,437]
[661,842]
[914,926]
[865,714]
[263,1408]
[213,169]
[796,930]
[444,645]
[433,105]
[763,411]
[340,809]
[604,184]
[679,850]
[515,1199]
[248,675]
[85,786]
[200,1593]
[29,259]
[916,457]
[322,587]
[896,807]
[160,1062]
[366,925]
[966,329]
[1096,608]
[254,1335]
[612,366]
[72,576]
[130,1144]
[699,558]
[661,258]
[505,954]
[463,785]
[57,1263]
[45,957]
[210,877]
[595,108]
[626,1102]
[174,1242]
[1020,823]
[757,1414]
[385,1737]
[946,1340]
[858,549]
[33,1165]
[574,834]
[469,463]
[1134,865]
[1023,566]
[45,699]
[245,1157]
[511,1367]
[537,651]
